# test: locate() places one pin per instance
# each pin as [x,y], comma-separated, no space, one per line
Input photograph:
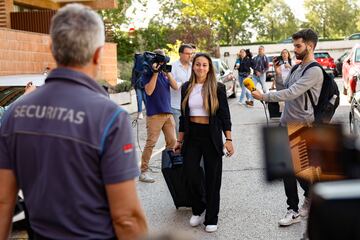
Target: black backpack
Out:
[137,71]
[329,96]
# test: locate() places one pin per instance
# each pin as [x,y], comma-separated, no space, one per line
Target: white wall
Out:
[335,49]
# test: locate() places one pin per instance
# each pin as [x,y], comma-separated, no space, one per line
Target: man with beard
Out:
[298,109]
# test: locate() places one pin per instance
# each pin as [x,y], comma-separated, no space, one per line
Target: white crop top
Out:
[196,103]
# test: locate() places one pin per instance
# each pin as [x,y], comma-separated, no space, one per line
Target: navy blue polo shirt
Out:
[159,101]
[65,142]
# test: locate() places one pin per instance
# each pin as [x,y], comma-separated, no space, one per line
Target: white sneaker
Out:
[304,210]
[291,217]
[140,115]
[144,177]
[211,228]
[196,220]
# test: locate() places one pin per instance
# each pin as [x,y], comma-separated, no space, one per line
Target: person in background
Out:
[158,110]
[136,82]
[204,117]
[283,71]
[68,147]
[181,71]
[260,66]
[243,65]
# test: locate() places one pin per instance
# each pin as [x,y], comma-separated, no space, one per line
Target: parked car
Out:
[326,61]
[226,76]
[354,115]
[11,88]
[351,71]
[339,63]
[355,36]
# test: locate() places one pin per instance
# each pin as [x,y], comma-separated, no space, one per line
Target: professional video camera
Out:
[322,155]
[150,58]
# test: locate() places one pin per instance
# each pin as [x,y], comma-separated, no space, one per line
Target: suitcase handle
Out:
[175,158]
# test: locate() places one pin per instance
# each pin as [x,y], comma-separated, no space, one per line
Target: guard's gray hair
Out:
[76,32]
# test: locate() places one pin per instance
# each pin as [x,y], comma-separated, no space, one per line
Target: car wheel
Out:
[233,95]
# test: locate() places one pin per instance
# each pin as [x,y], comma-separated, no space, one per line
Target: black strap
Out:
[313,64]
[311,99]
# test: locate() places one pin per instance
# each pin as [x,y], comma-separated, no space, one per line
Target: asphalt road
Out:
[250,207]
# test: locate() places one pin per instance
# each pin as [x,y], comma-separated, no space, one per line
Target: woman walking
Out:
[204,117]
[243,65]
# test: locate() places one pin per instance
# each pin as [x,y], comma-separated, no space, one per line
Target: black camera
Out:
[150,58]
[278,60]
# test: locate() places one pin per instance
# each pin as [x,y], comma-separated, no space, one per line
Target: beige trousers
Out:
[154,125]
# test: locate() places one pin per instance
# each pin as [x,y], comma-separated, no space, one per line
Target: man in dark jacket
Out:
[260,66]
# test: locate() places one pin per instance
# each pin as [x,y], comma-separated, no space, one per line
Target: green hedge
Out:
[125,86]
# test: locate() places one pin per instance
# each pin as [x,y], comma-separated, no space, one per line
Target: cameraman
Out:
[157,84]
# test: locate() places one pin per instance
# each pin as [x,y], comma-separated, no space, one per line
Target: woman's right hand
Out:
[178,146]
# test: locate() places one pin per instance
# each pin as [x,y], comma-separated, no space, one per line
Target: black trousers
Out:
[291,191]
[200,145]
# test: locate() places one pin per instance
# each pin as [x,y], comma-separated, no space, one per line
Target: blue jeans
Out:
[140,97]
[262,80]
[244,89]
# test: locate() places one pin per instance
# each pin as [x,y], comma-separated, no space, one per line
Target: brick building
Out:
[24,39]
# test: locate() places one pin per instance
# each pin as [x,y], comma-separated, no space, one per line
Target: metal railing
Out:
[34,21]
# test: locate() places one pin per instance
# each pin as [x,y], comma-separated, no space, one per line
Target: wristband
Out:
[155,71]
[228,139]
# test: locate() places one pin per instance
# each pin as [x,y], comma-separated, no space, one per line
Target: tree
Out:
[113,18]
[210,22]
[275,22]
[228,18]
[332,18]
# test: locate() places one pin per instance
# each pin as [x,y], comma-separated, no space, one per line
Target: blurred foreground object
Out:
[311,153]
[334,211]
[170,236]
[316,152]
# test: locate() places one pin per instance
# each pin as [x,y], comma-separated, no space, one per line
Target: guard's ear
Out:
[97,55]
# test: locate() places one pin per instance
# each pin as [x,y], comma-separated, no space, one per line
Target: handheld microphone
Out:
[249,84]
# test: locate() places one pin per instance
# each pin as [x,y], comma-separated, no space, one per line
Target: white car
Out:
[225,75]
[12,86]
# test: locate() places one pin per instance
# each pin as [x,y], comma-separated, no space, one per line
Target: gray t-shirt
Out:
[294,95]
[65,142]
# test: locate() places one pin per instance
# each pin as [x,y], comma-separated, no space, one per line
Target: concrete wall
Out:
[24,52]
[335,49]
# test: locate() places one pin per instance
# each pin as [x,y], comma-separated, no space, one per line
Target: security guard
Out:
[69,148]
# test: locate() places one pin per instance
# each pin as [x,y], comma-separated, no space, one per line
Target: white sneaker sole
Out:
[296,220]
[210,229]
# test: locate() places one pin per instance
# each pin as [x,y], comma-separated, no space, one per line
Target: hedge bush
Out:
[124,86]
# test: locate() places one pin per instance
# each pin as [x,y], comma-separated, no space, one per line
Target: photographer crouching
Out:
[157,80]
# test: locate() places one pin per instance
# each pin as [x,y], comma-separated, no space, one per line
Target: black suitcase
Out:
[172,170]
[274,109]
